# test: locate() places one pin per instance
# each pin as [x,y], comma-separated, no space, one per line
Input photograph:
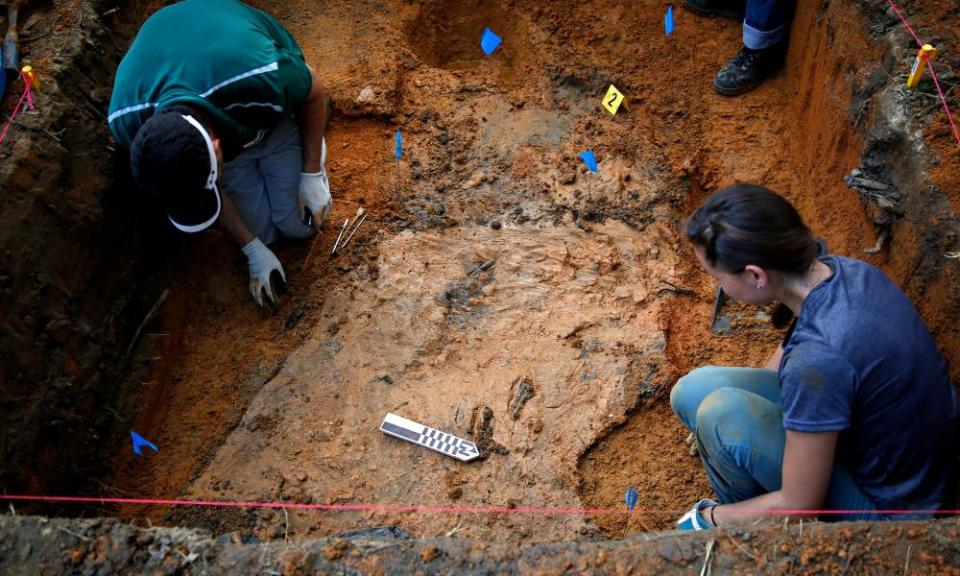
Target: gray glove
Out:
[263,263]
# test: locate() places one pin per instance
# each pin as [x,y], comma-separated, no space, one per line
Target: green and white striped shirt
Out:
[236,63]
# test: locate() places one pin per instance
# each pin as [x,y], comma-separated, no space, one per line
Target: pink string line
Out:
[943,99]
[933,74]
[430,509]
[26,95]
[905,23]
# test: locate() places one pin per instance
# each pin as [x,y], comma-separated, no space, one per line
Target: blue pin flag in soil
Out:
[632,497]
[489,41]
[399,152]
[139,442]
[590,159]
[668,21]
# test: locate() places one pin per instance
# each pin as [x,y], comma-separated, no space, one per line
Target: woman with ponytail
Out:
[853,415]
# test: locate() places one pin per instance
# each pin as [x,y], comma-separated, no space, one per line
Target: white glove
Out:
[314,199]
[263,263]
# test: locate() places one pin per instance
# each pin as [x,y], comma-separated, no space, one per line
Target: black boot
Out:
[748,69]
[726,8]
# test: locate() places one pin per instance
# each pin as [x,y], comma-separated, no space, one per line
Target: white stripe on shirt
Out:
[276,107]
[129,109]
[261,70]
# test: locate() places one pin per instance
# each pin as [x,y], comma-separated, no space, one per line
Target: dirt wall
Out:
[30,545]
[81,257]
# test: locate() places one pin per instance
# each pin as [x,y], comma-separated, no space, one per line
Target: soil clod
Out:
[483,433]
[523,392]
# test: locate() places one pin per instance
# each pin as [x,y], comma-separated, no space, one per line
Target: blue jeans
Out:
[738,421]
[767,23]
[264,183]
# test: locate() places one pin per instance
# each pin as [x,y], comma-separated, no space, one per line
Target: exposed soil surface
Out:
[436,315]
[497,291]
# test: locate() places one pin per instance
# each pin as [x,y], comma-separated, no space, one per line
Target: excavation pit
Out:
[446,34]
[551,338]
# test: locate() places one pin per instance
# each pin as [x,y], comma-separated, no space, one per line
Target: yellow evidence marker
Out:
[30,75]
[613,100]
[926,53]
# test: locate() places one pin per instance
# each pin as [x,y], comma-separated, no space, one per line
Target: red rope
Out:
[430,509]
[16,109]
[943,99]
[905,23]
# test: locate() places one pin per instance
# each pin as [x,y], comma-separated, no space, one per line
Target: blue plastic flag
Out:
[590,159]
[489,41]
[668,21]
[632,497]
[399,153]
[139,442]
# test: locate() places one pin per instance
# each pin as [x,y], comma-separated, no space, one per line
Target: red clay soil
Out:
[486,137]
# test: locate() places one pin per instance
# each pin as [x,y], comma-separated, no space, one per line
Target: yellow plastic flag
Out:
[927,52]
[613,100]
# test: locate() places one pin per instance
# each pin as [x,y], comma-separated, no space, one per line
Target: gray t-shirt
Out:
[861,361]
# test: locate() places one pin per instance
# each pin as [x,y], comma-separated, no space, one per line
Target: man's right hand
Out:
[263,263]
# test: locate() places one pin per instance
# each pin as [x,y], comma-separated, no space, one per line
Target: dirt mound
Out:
[33,545]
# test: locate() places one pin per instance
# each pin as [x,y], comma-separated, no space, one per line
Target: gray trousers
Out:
[263,183]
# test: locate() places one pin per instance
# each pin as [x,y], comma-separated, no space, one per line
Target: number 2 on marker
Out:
[612,101]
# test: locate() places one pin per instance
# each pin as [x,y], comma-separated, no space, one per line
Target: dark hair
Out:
[749,224]
[169,156]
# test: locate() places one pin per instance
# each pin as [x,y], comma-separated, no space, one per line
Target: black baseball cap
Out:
[173,157]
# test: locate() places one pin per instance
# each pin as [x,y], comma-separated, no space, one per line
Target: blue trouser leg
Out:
[280,165]
[689,392]
[767,23]
[738,421]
